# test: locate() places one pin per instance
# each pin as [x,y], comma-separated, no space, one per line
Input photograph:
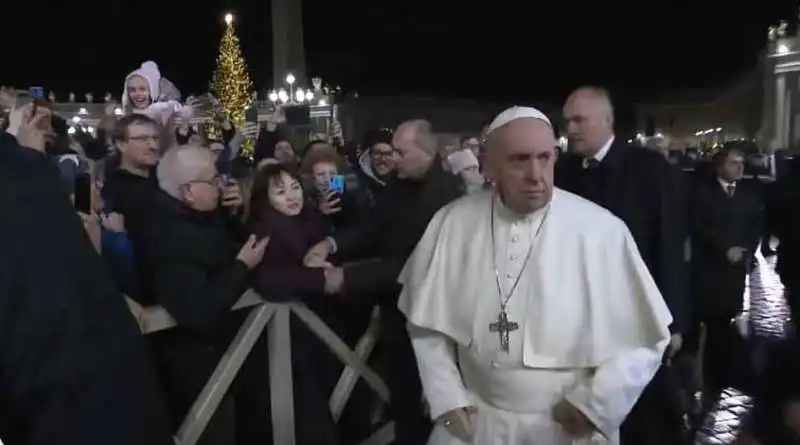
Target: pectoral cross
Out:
[503,327]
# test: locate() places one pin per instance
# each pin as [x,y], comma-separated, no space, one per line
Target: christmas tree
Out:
[231,83]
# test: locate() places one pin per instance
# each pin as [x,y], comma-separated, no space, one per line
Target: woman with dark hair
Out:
[278,210]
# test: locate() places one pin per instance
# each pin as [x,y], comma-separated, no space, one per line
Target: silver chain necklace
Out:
[503,326]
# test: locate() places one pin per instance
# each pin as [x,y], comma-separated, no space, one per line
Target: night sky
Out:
[495,50]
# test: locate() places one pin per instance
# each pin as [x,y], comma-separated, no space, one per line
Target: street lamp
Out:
[282,96]
[292,96]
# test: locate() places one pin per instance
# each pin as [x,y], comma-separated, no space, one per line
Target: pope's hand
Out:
[458,423]
[572,420]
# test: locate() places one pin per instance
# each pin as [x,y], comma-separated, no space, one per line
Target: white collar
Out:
[604,149]
[601,154]
[725,184]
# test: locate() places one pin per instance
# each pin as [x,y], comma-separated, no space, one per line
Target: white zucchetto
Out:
[514,113]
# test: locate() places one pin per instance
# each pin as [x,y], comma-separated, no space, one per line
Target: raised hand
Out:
[253,251]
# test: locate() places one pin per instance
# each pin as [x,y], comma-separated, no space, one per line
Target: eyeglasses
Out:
[383,153]
[216,181]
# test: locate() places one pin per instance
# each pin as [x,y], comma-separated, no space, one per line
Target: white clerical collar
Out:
[725,184]
[601,154]
[506,214]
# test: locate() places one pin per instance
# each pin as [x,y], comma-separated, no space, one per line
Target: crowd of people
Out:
[639,270]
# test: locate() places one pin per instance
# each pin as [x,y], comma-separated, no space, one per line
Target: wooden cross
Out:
[503,327]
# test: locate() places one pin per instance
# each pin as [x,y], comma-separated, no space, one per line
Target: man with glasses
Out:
[377,163]
[130,188]
[200,271]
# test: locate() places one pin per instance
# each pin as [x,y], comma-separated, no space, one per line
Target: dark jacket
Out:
[640,187]
[391,232]
[783,220]
[718,223]
[197,278]
[134,197]
[68,339]
[281,276]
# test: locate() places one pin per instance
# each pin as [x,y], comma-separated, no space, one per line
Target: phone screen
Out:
[36,92]
[336,184]
[83,194]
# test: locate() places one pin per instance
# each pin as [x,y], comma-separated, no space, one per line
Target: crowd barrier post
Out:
[275,317]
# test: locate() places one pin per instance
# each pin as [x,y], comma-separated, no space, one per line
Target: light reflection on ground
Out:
[768,318]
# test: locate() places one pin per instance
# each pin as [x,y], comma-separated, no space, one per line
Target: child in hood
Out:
[147,92]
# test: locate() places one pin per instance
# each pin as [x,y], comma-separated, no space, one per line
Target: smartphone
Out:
[83,193]
[36,92]
[251,115]
[336,184]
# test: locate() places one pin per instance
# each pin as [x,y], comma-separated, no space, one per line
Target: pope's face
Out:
[520,160]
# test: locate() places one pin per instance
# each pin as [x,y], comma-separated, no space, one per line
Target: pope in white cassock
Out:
[532,315]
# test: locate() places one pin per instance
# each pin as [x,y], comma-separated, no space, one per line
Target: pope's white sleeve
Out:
[609,395]
[441,380]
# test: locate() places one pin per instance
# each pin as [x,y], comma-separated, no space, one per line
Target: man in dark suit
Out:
[726,225]
[396,224]
[783,218]
[643,189]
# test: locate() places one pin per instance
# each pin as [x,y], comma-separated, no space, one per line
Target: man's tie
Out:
[590,163]
[730,189]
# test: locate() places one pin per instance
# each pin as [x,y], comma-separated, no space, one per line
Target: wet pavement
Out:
[767,317]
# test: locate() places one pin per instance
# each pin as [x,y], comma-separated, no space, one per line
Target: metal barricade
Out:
[276,317]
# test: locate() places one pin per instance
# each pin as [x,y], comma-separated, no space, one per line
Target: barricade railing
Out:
[276,318]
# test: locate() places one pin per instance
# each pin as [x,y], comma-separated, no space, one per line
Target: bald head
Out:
[590,119]
[419,132]
[521,155]
[415,143]
[183,165]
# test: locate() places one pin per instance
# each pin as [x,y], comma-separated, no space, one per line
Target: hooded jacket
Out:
[164,96]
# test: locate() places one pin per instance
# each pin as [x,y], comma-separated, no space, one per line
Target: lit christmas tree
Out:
[231,83]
